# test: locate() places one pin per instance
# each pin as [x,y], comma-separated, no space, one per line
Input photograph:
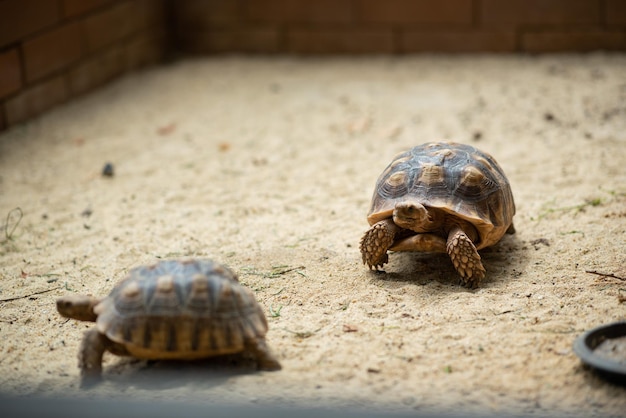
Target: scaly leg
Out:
[465,257]
[376,242]
[264,357]
[90,357]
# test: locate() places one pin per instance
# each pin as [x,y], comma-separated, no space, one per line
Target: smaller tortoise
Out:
[440,197]
[171,310]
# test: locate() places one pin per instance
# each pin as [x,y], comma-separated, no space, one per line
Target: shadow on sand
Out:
[506,260]
[125,372]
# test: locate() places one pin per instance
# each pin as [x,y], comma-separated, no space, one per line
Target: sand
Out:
[268,165]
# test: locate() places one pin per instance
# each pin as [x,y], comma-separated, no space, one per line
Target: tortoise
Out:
[440,197]
[188,309]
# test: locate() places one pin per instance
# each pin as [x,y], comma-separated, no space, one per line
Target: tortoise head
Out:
[414,216]
[78,307]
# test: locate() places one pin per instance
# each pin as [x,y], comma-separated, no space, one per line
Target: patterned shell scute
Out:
[455,178]
[181,309]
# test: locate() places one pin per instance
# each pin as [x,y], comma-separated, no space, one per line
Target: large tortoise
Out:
[173,309]
[440,197]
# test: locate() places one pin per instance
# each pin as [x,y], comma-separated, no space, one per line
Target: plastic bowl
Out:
[585,347]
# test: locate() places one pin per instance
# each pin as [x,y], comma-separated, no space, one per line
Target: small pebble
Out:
[107,170]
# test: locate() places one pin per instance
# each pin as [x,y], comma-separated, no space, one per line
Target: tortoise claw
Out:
[88,381]
[465,258]
[375,243]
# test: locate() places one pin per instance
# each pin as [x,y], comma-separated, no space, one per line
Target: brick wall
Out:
[399,26]
[53,50]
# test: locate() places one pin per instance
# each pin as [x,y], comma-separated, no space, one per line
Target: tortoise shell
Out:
[180,309]
[457,179]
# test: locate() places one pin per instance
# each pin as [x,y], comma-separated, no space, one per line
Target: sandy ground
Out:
[268,165]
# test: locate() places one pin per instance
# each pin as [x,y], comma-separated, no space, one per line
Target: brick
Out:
[234,39]
[615,12]
[414,11]
[362,41]
[52,51]
[464,42]
[97,71]
[21,18]
[574,41]
[199,14]
[109,26]
[146,49]
[148,13]
[500,12]
[35,100]
[72,8]
[10,73]
[292,11]
[3,123]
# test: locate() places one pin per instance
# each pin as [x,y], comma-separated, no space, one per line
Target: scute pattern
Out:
[456,178]
[180,309]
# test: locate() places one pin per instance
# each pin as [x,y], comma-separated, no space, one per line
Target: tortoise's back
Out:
[189,309]
[456,178]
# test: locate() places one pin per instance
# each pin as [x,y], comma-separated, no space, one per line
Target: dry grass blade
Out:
[605,275]
[8,234]
[29,295]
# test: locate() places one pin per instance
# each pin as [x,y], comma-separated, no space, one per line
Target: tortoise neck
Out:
[80,307]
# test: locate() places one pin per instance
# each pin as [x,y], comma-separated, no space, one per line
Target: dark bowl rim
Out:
[585,345]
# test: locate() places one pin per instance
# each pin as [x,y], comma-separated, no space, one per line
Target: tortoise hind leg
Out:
[90,355]
[510,229]
[465,257]
[376,241]
[264,357]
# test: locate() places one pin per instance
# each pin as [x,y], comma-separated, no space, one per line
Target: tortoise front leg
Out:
[90,357]
[465,257]
[376,241]
[264,357]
